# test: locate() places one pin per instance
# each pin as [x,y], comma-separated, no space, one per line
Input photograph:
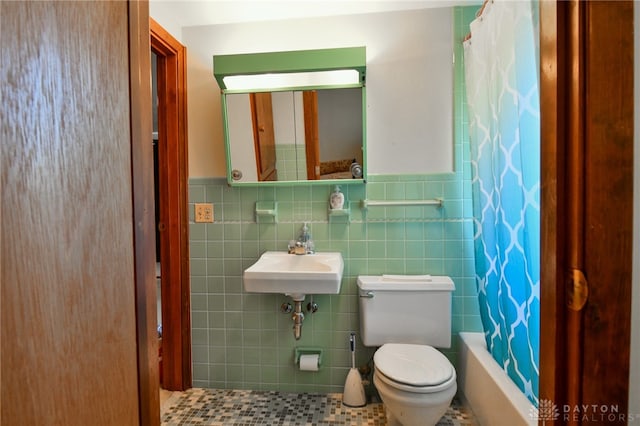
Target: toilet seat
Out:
[414,368]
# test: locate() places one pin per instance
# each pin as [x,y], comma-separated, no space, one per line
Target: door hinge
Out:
[577,290]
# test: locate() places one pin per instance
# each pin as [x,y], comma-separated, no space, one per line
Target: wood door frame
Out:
[553,387]
[586,52]
[143,213]
[174,222]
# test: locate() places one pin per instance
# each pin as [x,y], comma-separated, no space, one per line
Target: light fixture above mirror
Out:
[281,81]
[272,71]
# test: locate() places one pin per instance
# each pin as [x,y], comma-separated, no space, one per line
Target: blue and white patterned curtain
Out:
[504,129]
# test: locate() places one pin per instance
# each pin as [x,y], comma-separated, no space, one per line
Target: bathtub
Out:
[484,386]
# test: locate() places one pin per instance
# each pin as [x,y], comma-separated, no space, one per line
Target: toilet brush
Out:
[353,395]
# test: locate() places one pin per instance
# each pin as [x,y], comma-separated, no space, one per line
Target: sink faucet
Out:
[304,243]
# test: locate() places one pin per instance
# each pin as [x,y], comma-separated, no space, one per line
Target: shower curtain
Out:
[501,79]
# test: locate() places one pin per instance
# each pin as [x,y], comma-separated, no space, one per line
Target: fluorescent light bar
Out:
[293,79]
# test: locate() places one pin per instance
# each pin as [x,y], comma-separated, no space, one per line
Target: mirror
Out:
[298,135]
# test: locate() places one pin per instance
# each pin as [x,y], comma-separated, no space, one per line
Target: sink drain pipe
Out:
[297,318]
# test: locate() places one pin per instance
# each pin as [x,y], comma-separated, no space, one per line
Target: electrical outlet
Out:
[204,212]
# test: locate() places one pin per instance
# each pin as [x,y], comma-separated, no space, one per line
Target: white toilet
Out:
[406,316]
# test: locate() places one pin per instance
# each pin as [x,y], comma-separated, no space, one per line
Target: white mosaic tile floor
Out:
[248,408]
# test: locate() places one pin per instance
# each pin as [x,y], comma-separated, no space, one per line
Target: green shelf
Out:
[342,215]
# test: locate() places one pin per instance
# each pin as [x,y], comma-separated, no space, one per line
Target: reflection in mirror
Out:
[295,135]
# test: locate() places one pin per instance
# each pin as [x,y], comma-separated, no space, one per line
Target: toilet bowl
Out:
[416,383]
[407,317]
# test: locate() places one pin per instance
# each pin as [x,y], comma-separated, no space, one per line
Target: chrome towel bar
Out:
[370,203]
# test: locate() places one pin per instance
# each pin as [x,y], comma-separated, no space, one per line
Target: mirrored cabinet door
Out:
[295,135]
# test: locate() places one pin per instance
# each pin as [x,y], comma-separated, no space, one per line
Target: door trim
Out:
[174,222]
[143,213]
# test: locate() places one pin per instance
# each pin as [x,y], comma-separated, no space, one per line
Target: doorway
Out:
[172,223]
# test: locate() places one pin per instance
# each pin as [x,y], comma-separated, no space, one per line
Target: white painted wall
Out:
[164,13]
[634,375]
[173,15]
[409,83]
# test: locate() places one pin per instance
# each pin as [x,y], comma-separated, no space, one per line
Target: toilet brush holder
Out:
[353,394]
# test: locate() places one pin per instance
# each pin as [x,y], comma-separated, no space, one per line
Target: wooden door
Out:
[264,136]
[77,299]
[587,176]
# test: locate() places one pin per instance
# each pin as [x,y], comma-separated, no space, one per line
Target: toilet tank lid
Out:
[405,282]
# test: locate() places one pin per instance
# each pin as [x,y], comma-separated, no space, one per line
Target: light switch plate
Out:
[204,212]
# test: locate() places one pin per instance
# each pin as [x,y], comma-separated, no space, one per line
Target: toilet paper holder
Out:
[298,352]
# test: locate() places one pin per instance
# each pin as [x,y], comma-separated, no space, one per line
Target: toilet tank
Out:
[405,309]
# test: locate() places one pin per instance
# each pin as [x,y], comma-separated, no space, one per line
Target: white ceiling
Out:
[212,12]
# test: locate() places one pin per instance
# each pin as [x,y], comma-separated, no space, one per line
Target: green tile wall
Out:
[243,341]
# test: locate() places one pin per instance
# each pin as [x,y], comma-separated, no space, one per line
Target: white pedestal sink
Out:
[295,275]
